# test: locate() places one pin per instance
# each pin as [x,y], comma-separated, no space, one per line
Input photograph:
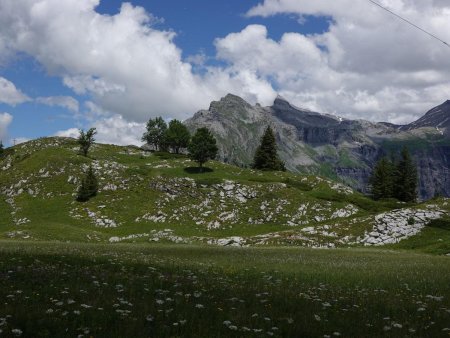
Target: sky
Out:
[112,65]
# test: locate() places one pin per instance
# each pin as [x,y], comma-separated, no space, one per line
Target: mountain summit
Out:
[438,117]
[341,149]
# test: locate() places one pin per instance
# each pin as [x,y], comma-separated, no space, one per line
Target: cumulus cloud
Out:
[9,94]
[368,64]
[126,65]
[5,121]
[112,130]
[66,102]
[71,132]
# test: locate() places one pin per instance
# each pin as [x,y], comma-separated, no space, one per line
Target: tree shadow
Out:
[198,170]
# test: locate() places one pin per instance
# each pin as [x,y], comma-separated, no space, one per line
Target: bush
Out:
[88,187]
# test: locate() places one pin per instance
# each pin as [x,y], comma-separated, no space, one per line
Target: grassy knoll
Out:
[150,197]
[95,290]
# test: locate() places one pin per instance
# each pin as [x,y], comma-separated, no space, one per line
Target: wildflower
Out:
[199,306]
[317,318]
[149,318]
[16,332]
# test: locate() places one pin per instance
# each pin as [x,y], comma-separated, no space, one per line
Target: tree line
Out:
[395,178]
[202,146]
[175,137]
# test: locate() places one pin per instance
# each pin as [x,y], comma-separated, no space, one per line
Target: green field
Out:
[110,267]
[94,290]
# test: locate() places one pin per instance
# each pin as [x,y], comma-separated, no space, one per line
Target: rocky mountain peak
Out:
[438,117]
[344,149]
[229,102]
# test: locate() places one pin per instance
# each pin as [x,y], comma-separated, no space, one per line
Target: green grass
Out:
[152,183]
[51,289]
[434,239]
[54,285]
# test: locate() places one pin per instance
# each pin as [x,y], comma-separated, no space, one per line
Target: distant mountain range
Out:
[341,149]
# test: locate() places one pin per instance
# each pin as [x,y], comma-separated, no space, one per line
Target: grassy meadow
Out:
[110,267]
[136,290]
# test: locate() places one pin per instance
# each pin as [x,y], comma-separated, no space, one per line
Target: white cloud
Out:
[368,65]
[67,102]
[5,121]
[112,130]
[126,65]
[9,94]
[20,140]
[71,132]
[116,130]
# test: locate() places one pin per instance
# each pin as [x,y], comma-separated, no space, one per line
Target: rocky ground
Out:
[143,197]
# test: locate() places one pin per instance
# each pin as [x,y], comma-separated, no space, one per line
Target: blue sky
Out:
[81,63]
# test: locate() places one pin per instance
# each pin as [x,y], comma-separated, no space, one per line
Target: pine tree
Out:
[202,147]
[405,185]
[266,157]
[88,187]
[177,136]
[382,180]
[85,140]
[156,129]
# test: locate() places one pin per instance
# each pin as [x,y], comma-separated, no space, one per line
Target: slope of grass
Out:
[52,289]
[146,194]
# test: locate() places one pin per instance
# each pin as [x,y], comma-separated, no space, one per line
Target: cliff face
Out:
[341,149]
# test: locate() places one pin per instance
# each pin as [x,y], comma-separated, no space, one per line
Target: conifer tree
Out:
[156,129]
[405,185]
[266,157]
[177,136]
[202,147]
[88,187]
[2,149]
[86,139]
[382,180]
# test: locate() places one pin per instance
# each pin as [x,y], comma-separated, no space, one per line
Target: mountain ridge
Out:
[342,149]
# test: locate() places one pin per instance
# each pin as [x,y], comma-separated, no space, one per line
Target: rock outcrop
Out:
[341,149]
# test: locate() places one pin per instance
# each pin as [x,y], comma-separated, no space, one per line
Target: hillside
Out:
[162,198]
[340,149]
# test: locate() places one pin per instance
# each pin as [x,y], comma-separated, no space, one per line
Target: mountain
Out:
[438,117]
[162,197]
[340,149]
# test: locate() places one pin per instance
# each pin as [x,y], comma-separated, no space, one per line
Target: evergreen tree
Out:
[85,140]
[202,146]
[2,149]
[156,129]
[266,157]
[177,136]
[405,185]
[382,180]
[88,187]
